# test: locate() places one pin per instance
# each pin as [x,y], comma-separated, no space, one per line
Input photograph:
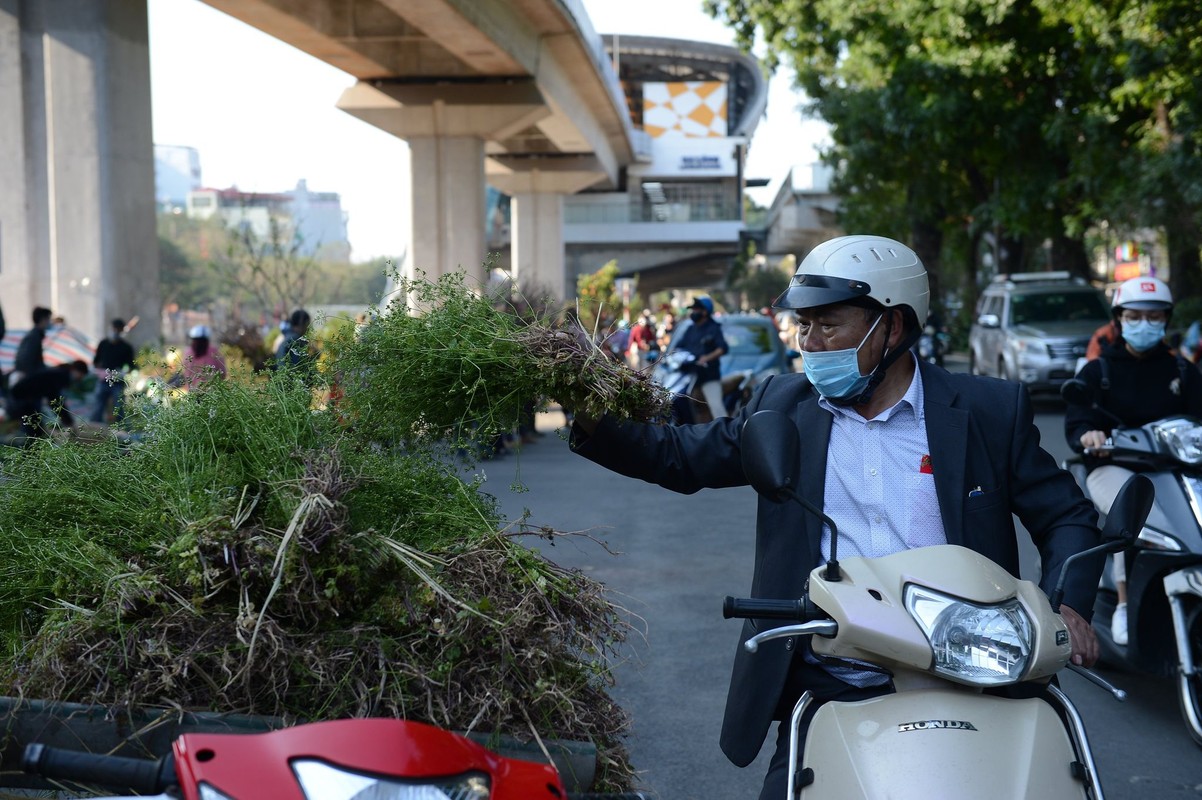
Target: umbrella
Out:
[62,345]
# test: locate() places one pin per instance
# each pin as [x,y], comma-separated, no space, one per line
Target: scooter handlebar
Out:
[800,610]
[143,776]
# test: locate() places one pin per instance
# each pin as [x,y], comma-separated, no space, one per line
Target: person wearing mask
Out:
[899,454]
[704,340]
[1136,379]
[202,361]
[114,358]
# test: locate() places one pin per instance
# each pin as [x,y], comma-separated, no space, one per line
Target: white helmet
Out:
[199,332]
[853,267]
[1143,294]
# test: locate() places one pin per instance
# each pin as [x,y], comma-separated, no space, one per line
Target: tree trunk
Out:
[1012,255]
[1185,266]
[1069,253]
[928,244]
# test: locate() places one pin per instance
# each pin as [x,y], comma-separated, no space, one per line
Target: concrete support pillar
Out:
[537,244]
[77,221]
[538,187]
[448,205]
[446,125]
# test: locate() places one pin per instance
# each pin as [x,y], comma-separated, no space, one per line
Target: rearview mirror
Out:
[771,453]
[1129,511]
[1077,392]
[989,321]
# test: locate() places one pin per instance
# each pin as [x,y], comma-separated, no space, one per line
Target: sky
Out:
[262,114]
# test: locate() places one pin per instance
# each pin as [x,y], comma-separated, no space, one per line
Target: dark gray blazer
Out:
[980,432]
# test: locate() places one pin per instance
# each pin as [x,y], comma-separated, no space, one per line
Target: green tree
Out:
[1148,62]
[353,284]
[597,297]
[950,120]
[185,247]
[269,274]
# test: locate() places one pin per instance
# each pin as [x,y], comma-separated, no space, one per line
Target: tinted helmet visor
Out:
[812,291]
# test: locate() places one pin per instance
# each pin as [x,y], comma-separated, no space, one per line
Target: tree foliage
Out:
[597,297]
[1001,127]
[204,263]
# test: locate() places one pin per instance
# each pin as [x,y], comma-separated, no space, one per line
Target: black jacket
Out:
[1141,390]
[702,338]
[114,355]
[981,434]
[29,353]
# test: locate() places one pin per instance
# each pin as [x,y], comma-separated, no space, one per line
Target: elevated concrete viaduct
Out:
[516,93]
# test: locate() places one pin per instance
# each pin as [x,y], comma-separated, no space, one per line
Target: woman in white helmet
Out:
[1136,379]
[201,362]
[900,454]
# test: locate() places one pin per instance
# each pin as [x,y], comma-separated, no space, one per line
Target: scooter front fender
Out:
[940,743]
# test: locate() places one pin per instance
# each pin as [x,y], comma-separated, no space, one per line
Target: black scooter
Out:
[1164,568]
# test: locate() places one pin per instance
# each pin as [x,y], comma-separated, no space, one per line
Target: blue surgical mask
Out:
[836,373]
[1143,335]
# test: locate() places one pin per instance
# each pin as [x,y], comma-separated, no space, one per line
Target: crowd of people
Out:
[881,426]
[37,395]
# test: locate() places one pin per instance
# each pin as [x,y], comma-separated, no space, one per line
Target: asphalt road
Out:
[675,557]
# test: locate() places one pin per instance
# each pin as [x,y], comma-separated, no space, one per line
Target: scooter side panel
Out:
[934,743]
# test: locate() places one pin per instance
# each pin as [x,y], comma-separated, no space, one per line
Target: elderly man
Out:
[899,454]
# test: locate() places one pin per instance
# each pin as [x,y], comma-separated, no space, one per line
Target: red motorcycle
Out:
[351,759]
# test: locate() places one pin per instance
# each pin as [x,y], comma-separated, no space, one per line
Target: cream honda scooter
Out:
[948,624]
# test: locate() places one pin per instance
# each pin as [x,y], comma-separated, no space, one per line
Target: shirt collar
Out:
[912,400]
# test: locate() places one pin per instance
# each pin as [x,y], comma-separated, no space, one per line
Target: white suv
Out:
[1032,327]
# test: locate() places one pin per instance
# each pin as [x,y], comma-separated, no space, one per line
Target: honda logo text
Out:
[935,724]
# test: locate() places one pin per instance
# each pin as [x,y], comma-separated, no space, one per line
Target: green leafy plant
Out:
[260,553]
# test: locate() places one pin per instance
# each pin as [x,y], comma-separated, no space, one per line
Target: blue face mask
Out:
[836,373]
[1143,335]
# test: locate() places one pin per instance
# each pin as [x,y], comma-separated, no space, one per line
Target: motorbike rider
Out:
[1136,379]
[704,340]
[900,454]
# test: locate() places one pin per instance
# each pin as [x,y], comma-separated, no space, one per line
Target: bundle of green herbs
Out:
[262,554]
[449,361]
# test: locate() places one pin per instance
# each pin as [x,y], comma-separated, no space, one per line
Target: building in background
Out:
[176,173]
[804,213]
[315,219]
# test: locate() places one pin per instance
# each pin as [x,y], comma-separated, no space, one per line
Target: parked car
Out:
[1032,328]
[755,352]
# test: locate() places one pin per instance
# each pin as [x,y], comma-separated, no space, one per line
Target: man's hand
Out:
[1092,440]
[1081,636]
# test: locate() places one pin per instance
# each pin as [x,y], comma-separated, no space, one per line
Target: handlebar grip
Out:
[799,610]
[145,776]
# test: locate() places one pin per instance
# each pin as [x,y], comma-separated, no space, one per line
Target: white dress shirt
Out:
[880,482]
[880,491]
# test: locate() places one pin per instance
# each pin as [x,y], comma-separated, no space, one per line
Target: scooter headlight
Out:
[980,645]
[327,782]
[1183,438]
